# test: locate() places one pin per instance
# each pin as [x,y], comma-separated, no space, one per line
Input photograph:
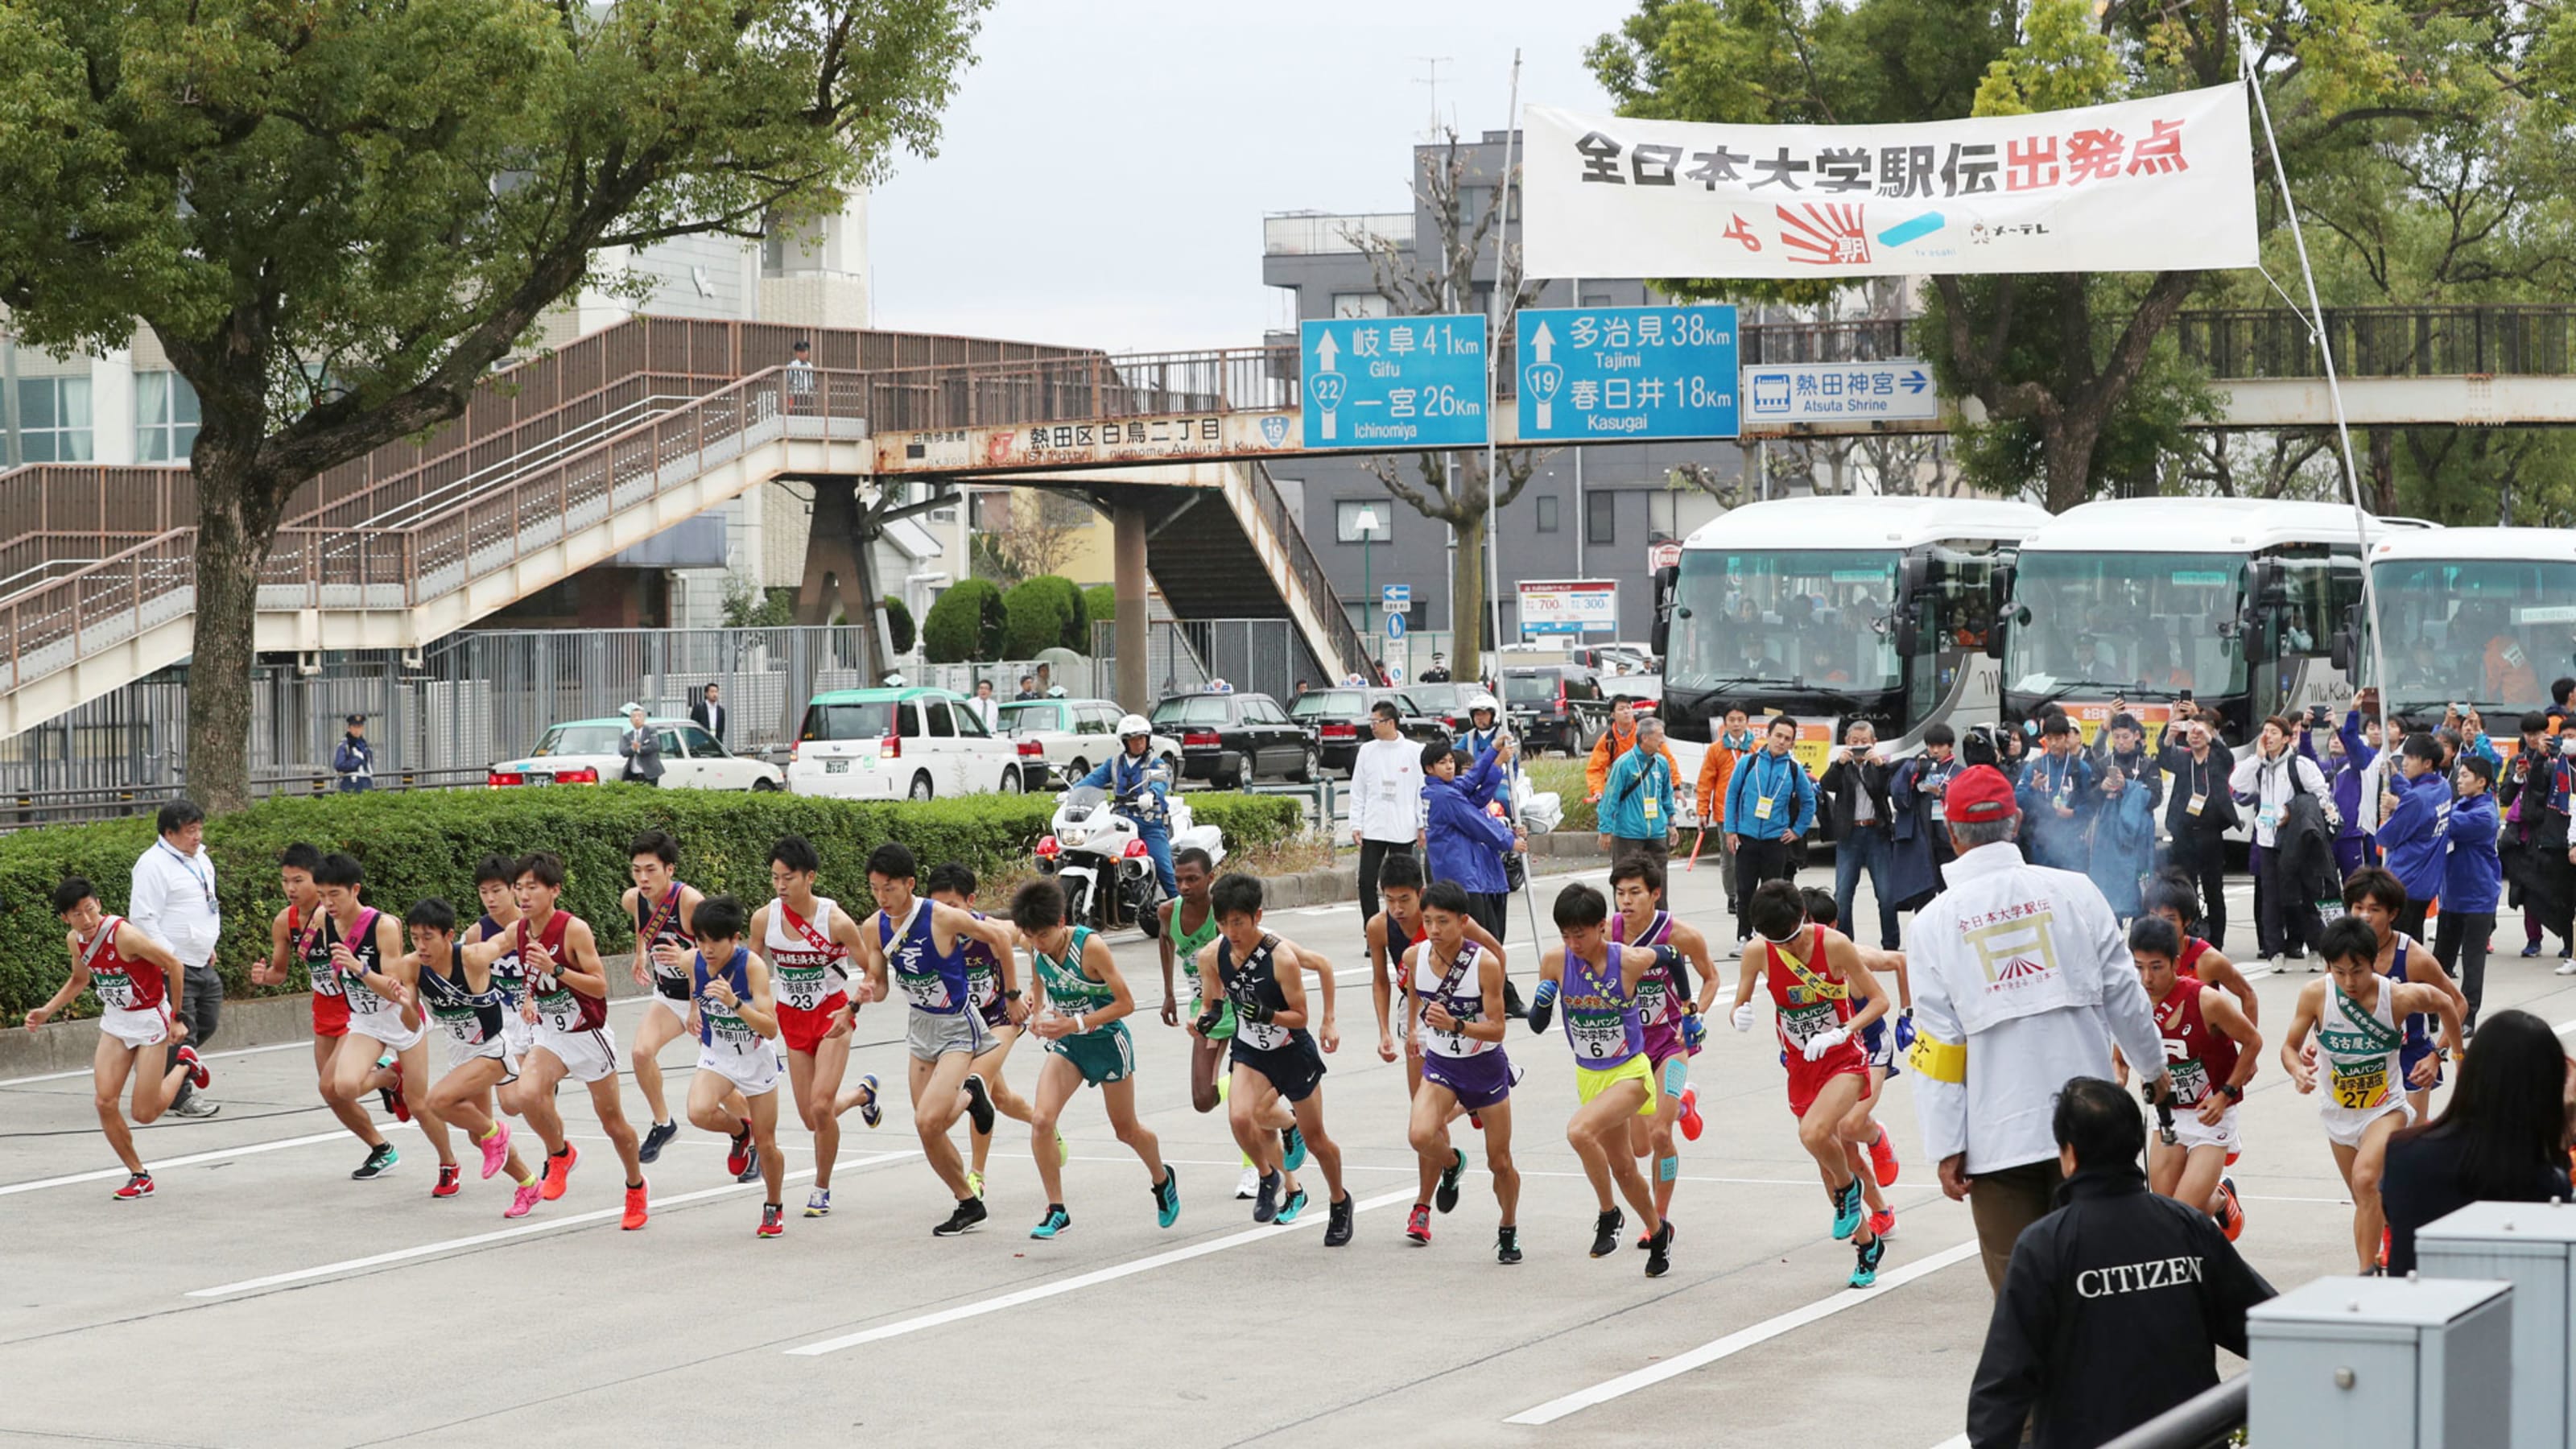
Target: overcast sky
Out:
[1107,163]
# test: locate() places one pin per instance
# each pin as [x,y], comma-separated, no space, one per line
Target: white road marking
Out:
[1319,1212]
[117,1174]
[283,1046]
[1740,1340]
[426,1250]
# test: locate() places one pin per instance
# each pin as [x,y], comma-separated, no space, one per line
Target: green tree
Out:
[965,623]
[337,215]
[1043,613]
[1100,602]
[899,628]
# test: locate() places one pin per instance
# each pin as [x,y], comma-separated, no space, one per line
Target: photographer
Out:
[1856,787]
[2273,780]
[2199,811]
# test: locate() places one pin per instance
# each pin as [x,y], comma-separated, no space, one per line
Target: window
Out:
[1547,513]
[53,419]
[702,746]
[936,711]
[1095,721]
[670,741]
[1257,710]
[970,725]
[1600,518]
[1370,520]
[1359,304]
[165,417]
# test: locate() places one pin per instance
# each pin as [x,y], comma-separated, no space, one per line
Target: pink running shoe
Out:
[524,1201]
[497,1150]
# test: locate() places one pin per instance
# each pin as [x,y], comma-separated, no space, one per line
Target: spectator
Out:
[172,900]
[1378,668]
[983,706]
[1637,811]
[2561,690]
[1987,1065]
[1770,807]
[2356,769]
[1716,768]
[709,713]
[1616,741]
[2501,1138]
[1438,673]
[2057,797]
[1029,689]
[2285,919]
[2115,1304]
[1855,784]
[2121,849]
[800,377]
[2199,811]
[1386,799]
[355,760]
[2524,792]
[1465,844]
[2472,880]
[641,745]
[2414,828]
[1919,844]
[1302,687]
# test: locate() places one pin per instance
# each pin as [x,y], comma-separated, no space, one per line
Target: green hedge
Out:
[1046,612]
[899,627]
[416,844]
[964,623]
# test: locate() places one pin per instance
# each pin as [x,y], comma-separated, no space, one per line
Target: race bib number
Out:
[115,989]
[2190,1082]
[1596,1034]
[927,990]
[1802,1024]
[2361,1086]
[804,987]
[554,1002]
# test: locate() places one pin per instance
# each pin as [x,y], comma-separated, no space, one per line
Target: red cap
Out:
[1976,794]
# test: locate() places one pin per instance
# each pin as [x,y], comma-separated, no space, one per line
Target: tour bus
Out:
[2484,617]
[1837,609]
[2231,603]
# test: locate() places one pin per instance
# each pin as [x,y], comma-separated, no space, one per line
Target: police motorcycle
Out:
[1096,848]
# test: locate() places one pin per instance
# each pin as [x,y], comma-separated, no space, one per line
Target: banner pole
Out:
[1502,313]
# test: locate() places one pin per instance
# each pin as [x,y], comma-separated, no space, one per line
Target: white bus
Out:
[2476,616]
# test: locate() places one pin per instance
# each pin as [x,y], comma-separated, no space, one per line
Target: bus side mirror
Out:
[2339,652]
[1915,575]
[1908,634]
[1660,635]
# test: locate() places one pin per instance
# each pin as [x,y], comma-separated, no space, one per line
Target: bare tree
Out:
[2292,463]
[1045,528]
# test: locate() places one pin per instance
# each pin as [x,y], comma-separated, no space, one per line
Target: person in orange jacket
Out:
[1717,768]
[1614,742]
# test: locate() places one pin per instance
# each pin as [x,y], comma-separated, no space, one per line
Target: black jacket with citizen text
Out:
[2111,1313]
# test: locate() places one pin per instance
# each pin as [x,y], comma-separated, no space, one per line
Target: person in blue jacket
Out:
[2122,845]
[1140,787]
[1637,799]
[2058,798]
[2472,882]
[1464,841]
[2347,766]
[2414,817]
[1770,807]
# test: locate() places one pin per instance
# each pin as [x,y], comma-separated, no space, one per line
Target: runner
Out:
[2375,895]
[954,885]
[2355,1013]
[137,979]
[469,1006]
[366,947]
[737,1018]
[810,942]
[1613,1081]
[2212,1051]
[1670,1014]
[1878,1169]
[1815,976]
[295,937]
[921,942]
[1259,976]
[2176,900]
[1079,1008]
[1453,1007]
[662,908]
[567,1000]
[1195,870]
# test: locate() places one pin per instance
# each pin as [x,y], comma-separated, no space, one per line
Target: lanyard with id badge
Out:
[205,880]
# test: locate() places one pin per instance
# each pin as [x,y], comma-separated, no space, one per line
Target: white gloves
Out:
[1824,1042]
[1744,1017]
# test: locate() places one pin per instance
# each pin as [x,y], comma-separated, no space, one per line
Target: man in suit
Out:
[642,747]
[710,714]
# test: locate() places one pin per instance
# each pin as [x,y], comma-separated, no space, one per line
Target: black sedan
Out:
[1340,720]
[1231,740]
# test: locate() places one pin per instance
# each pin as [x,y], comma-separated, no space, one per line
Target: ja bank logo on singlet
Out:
[2016,946]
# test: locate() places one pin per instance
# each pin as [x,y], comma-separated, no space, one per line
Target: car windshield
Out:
[1197,709]
[579,739]
[1792,616]
[1337,702]
[1018,719]
[2144,622]
[2487,632]
[1441,696]
[848,721]
[1529,688]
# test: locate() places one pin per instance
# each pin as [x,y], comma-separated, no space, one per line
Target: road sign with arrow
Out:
[1813,392]
[1393,382]
[1619,374]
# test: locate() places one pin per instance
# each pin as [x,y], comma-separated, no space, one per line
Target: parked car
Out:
[1230,740]
[1067,737]
[888,744]
[1340,720]
[1555,706]
[1446,703]
[1612,660]
[584,752]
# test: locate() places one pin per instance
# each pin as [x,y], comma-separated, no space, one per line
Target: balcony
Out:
[1317,234]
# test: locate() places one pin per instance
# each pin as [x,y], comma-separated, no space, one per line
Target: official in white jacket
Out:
[2021,980]
[1386,799]
[172,900]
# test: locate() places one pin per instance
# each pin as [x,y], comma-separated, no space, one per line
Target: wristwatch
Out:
[2233,1092]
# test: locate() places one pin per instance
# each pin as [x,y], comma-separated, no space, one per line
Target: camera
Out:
[1982,745]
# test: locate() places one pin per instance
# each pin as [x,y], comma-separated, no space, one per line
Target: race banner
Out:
[2137,186]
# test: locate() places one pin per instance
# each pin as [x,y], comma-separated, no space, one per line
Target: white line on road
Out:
[998,1303]
[1738,1341]
[191,1160]
[283,1046]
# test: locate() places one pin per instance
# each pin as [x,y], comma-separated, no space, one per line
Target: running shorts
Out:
[2191,1132]
[136,1028]
[803,1030]
[679,1009]
[1294,1071]
[387,1027]
[1807,1078]
[756,1071]
[330,1015]
[587,1056]
[2345,1125]
[1589,1084]
[996,1014]
[2416,1050]
[1478,1082]
[1663,1044]
[1878,1044]
[1104,1055]
[517,1034]
[497,1049]
[931,1035]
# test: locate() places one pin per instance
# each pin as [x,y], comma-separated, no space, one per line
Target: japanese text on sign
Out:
[1390,382]
[1626,372]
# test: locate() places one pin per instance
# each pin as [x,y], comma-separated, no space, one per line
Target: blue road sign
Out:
[1616,374]
[1393,382]
[1395,626]
[1812,392]
[1395,598]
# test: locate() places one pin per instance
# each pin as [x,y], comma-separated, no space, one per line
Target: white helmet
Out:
[1132,725]
[1482,700]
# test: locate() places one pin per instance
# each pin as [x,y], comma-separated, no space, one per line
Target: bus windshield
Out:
[2143,623]
[1804,617]
[2487,632]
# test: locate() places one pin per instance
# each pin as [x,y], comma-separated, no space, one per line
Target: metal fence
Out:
[1256,656]
[2384,341]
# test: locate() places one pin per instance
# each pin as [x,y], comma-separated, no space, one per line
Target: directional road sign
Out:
[1393,382]
[1395,626]
[1395,598]
[1615,374]
[1812,392]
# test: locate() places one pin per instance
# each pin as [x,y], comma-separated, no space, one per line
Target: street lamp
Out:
[1364,523]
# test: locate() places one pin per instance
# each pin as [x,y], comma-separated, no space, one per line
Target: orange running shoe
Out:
[559,1167]
[1692,1122]
[2231,1213]
[635,1207]
[1882,1160]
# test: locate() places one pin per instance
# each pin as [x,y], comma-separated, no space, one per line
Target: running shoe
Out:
[1507,1245]
[1659,1252]
[1248,1186]
[1055,1221]
[496,1149]
[869,1111]
[969,1213]
[2381,1262]
[750,1167]
[138,1185]
[2531,951]
[656,1137]
[1337,1227]
[1692,1122]
[738,1156]
[1605,1232]
[559,1167]
[1167,1197]
[1882,1223]
[637,1203]
[974,1182]
[524,1200]
[380,1160]
[818,1203]
[1646,1241]
[1265,1207]
[773,1220]
[1847,1208]
[1475,1121]
[979,1103]
[198,1076]
[2231,1212]
[1295,1204]
[1417,1224]
[1447,1194]
[393,1096]
[1882,1159]
[2566,967]
[197,1106]
[451,1181]
[1865,1265]
[1292,1146]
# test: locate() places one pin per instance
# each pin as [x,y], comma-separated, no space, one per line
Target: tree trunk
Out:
[2066,455]
[234,534]
[2383,470]
[1467,589]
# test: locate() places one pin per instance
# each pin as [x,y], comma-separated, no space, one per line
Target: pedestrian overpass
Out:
[564,460]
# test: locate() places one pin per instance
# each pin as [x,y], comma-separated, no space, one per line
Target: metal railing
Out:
[2204,1421]
[24,809]
[2384,341]
[1322,600]
[1310,234]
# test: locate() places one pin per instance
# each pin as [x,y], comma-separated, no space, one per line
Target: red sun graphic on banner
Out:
[1824,236]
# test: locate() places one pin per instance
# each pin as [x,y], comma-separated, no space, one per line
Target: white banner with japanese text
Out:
[2138,186]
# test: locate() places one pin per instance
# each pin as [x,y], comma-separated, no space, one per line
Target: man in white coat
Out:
[1386,799]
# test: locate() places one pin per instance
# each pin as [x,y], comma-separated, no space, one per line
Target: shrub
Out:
[965,623]
[1046,612]
[1100,602]
[424,843]
[898,625]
